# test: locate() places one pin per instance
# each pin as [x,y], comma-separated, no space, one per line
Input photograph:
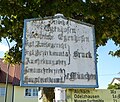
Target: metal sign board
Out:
[93,95]
[58,52]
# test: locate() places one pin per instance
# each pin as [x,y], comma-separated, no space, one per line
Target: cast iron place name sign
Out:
[58,52]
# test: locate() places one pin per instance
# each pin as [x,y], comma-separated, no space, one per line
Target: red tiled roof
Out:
[14,73]
[16,80]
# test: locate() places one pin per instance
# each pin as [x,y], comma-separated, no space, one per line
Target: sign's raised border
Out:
[56,85]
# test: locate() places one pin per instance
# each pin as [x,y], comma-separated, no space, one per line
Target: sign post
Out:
[40,95]
[60,94]
[58,52]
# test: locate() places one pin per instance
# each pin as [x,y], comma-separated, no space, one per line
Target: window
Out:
[35,92]
[31,92]
[2,91]
[28,92]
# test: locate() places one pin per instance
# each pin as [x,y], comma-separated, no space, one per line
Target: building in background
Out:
[15,92]
[115,81]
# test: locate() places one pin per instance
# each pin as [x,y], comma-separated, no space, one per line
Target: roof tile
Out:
[14,73]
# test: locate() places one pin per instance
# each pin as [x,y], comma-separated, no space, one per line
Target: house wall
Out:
[19,95]
[9,93]
[2,97]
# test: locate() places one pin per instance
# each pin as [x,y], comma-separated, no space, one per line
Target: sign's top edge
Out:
[59,16]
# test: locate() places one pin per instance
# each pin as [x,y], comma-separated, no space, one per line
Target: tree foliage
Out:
[115,86]
[104,14]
